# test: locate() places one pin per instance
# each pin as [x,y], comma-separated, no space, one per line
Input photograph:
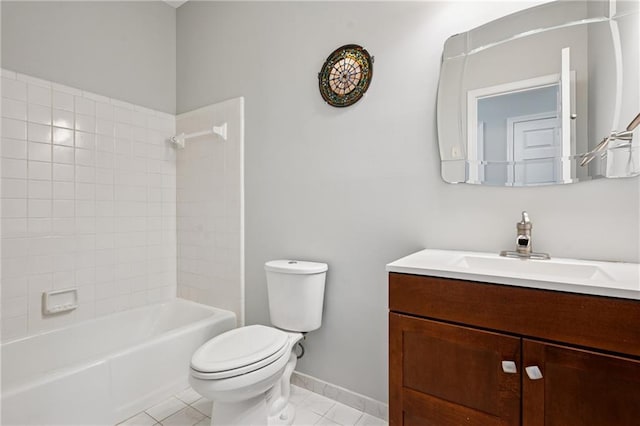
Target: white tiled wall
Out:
[210,208]
[88,201]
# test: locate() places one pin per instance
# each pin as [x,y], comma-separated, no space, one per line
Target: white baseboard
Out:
[342,395]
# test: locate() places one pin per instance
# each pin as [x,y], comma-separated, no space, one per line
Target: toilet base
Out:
[252,412]
[285,418]
[270,407]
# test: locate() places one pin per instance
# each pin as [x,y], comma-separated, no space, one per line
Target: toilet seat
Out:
[238,352]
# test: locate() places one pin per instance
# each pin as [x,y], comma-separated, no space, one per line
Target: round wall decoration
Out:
[345,75]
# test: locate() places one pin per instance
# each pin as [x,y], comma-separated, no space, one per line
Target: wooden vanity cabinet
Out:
[579,387]
[443,374]
[448,340]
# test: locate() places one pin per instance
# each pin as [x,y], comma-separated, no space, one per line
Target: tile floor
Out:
[187,408]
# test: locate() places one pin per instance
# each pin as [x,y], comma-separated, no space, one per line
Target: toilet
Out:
[246,372]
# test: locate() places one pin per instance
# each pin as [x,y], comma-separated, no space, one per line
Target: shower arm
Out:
[180,139]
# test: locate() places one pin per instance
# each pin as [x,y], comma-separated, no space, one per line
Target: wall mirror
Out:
[527,99]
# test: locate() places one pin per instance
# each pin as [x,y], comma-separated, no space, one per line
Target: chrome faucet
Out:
[523,242]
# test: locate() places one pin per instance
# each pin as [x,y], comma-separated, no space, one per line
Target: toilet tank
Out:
[296,293]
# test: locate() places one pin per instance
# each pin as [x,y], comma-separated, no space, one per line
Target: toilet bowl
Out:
[236,367]
[247,371]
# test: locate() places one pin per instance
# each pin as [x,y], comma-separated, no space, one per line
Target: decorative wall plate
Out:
[345,75]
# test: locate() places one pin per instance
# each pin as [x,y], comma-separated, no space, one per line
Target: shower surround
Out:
[210,208]
[88,201]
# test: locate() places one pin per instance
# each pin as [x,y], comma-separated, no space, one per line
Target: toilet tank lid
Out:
[288,266]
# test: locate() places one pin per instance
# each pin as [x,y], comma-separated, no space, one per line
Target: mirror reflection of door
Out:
[518,132]
[534,147]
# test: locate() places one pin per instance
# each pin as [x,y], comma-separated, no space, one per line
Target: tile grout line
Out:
[322,414]
[344,396]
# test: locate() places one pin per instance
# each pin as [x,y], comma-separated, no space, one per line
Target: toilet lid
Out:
[239,348]
[296,267]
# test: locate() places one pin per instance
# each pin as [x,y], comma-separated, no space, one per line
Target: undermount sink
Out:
[555,268]
[615,279]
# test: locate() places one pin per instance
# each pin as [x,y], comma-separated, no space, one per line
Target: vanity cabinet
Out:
[459,351]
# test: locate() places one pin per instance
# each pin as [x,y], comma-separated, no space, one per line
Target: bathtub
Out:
[104,370]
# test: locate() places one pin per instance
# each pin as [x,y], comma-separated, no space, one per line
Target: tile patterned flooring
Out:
[187,408]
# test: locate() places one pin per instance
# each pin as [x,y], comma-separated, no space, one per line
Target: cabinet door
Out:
[444,375]
[579,387]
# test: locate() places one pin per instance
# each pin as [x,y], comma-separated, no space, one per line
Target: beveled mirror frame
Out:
[612,86]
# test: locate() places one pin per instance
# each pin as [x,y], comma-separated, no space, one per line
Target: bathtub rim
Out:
[101,317]
[8,390]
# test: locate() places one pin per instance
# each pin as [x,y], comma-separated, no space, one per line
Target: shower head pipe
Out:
[180,139]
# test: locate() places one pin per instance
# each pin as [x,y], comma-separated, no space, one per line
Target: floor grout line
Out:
[302,399]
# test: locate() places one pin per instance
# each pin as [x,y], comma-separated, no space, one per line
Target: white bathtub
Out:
[105,370]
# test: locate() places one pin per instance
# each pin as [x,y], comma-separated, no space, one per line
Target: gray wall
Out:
[123,50]
[358,187]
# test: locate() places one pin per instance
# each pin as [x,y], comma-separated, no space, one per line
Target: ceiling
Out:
[175,3]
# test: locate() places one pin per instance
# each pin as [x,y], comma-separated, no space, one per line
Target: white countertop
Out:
[610,279]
